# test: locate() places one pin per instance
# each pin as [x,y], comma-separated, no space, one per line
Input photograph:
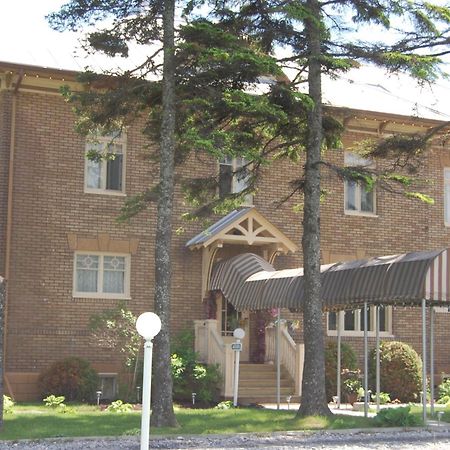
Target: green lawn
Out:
[33,421]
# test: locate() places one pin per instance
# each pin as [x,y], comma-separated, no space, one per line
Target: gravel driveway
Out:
[353,440]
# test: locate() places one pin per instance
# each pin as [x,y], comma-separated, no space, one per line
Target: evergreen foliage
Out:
[222,52]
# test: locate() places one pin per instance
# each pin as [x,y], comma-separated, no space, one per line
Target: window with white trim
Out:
[106,175]
[102,275]
[230,318]
[351,323]
[233,177]
[447,196]
[357,198]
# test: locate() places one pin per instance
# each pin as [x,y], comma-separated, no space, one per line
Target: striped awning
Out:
[397,279]
[229,275]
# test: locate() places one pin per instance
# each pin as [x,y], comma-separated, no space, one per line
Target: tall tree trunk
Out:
[313,388]
[163,414]
[2,329]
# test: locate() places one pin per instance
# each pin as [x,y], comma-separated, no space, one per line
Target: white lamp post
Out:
[148,325]
[239,334]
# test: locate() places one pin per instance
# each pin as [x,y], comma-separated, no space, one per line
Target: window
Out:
[106,175]
[101,275]
[351,323]
[447,196]
[232,180]
[358,200]
[108,386]
[230,318]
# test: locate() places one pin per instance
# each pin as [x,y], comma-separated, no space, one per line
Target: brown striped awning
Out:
[397,279]
[229,275]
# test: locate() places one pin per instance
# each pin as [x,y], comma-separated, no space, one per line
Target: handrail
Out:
[216,349]
[288,349]
[291,353]
[213,350]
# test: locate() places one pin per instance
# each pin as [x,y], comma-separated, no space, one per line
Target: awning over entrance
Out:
[244,226]
[229,275]
[398,279]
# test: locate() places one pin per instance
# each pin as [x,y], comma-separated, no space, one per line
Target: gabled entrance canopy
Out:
[404,279]
[245,227]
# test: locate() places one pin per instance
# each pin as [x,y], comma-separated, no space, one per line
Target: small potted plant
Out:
[351,385]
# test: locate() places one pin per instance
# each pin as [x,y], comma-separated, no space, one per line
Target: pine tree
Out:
[218,63]
[313,38]
[209,75]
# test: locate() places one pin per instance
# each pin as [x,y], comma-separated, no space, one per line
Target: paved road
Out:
[398,440]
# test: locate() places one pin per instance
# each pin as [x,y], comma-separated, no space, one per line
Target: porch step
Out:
[257,384]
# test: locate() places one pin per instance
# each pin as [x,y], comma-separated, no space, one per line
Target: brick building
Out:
[65,257]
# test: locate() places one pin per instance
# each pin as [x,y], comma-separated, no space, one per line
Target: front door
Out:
[228,319]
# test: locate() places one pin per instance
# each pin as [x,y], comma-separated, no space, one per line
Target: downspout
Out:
[9,217]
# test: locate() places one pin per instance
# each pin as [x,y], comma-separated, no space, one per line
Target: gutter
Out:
[9,219]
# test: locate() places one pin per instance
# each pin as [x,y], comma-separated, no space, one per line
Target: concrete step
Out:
[265,382]
[249,400]
[257,384]
[272,391]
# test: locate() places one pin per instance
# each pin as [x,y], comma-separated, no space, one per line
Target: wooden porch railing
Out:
[291,354]
[212,350]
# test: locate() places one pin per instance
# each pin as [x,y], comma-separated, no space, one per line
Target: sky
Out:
[26,38]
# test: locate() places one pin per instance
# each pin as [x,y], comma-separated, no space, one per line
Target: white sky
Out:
[26,38]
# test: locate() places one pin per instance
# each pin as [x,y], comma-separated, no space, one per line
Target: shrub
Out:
[396,417]
[444,392]
[115,328]
[74,378]
[119,407]
[348,361]
[384,398]
[400,371]
[8,404]
[191,376]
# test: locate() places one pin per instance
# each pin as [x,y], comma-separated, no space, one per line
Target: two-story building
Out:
[65,257]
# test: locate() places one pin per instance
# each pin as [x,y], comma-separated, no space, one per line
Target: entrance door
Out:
[228,319]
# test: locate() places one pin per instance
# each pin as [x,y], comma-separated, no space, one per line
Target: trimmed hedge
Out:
[400,371]
[74,378]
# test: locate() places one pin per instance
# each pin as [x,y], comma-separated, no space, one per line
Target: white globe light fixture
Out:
[239,333]
[148,325]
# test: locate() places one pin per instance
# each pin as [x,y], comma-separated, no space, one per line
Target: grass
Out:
[33,421]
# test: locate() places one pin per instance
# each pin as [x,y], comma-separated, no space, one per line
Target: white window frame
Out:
[103,141]
[351,159]
[447,196]
[359,324]
[234,181]
[99,294]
